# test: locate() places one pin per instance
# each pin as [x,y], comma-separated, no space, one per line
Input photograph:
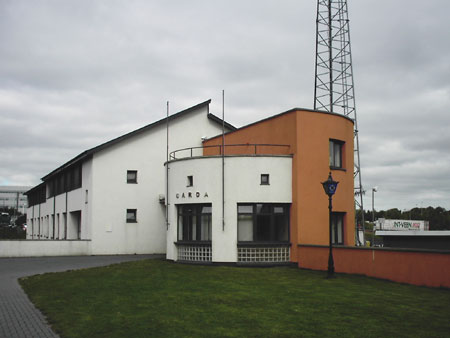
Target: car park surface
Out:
[18,316]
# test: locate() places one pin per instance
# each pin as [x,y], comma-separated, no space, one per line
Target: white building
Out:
[204,223]
[110,195]
[252,195]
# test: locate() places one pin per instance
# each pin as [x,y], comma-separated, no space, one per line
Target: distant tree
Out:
[21,220]
[416,214]
[438,218]
[394,214]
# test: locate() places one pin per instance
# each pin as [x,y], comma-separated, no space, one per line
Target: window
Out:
[50,189]
[131,216]
[37,196]
[336,153]
[76,178]
[194,222]
[59,184]
[190,181]
[337,227]
[132,176]
[263,222]
[265,179]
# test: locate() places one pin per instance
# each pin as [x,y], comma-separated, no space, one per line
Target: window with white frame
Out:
[336,148]
[263,222]
[194,222]
[337,227]
[131,215]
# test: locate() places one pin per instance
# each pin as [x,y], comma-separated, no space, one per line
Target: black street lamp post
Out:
[330,187]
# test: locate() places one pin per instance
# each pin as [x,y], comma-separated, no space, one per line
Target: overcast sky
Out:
[74,74]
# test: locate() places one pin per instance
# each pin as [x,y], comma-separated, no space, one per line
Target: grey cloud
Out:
[74,74]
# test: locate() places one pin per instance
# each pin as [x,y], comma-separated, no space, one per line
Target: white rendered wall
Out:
[105,195]
[38,248]
[242,185]
[111,196]
[55,208]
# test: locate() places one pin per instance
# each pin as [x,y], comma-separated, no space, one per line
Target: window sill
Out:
[263,244]
[193,243]
[337,168]
[131,221]
[132,182]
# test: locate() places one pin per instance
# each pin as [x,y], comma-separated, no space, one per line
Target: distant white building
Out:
[124,179]
[401,233]
[14,197]
[401,225]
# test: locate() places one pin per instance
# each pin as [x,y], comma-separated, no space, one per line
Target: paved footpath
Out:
[18,316]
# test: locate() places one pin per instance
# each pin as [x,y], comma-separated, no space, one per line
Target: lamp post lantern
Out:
[330,187]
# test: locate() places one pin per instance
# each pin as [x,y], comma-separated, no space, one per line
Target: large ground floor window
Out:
[263,222]
[194,222]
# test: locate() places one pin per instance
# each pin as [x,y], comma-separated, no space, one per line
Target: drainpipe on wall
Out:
[65,221]
[54,216]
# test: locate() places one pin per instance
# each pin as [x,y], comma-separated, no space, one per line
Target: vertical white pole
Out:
[167,167]
[223,160]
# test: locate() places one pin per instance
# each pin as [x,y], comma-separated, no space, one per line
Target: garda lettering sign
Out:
[191,195]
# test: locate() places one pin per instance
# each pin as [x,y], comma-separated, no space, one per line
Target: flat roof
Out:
[9,189]
[413,233]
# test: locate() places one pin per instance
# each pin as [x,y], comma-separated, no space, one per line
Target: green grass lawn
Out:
[156,298]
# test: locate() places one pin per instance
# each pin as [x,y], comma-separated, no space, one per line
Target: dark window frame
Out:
[133,219]
[68,180]
[333,145]
[77,178]
[335,218]
[37,196]
[268,211]
[132,180]
[186,214]
[265,179]
[190,181]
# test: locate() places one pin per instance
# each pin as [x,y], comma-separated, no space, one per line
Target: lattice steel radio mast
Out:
[334,90]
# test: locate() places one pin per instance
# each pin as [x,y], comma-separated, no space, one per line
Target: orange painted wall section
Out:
[315,131]
[278,130]
[307,133]
[411,267]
